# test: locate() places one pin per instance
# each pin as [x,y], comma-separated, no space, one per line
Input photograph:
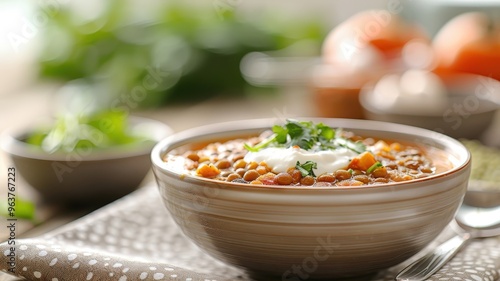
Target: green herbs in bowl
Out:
[108,129]
[85,159]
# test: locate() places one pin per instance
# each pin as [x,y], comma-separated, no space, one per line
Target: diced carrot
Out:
[363,161]
[207,171]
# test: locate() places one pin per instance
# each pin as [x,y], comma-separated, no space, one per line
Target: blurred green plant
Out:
[180,53]
[21,209]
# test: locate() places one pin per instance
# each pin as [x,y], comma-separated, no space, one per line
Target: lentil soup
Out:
[302,153]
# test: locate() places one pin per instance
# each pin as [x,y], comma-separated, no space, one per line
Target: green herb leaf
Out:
[295,129]
[373,167]
[262,144]
[281,134]
[357,147]
[326,132]
[307,168]
[99,130]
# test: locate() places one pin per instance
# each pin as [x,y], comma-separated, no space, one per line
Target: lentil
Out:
[233,177]
[240,164]
[326,178]
[261,170]
[307,180]
[342,174]
[251,175]
[284,179]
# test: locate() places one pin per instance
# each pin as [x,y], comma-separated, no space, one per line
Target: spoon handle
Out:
[427,265]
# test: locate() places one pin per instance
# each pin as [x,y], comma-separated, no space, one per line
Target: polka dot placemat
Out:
[135,239]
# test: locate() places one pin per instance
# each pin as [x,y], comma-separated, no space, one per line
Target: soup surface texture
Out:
[302,153]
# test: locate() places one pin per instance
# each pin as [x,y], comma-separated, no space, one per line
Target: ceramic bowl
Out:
[468,113]
[84,176]
[296,233]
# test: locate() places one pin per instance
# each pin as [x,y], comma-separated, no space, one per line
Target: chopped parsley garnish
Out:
[358,146]
[308,136]
[306,169]
[260,145]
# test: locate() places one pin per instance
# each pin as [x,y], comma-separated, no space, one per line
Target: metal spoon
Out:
[470,222]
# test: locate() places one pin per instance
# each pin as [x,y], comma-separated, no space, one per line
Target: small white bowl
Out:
[468,112]
[85,176]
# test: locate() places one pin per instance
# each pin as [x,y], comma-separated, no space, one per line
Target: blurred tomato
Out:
[469,43]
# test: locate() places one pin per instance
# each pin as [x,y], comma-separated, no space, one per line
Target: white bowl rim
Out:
[207,130]
[12,145]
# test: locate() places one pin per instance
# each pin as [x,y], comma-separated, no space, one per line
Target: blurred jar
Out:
[335,92]
[335,88]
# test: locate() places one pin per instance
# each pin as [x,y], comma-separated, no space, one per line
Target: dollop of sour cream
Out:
[280,159]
